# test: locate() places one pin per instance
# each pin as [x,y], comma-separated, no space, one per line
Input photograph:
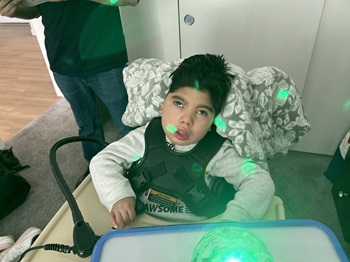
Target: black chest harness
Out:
[181,175]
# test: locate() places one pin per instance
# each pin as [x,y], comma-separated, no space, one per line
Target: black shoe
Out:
[8,159]
[81,179]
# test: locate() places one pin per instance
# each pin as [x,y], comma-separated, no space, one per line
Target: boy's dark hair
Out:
[207,73]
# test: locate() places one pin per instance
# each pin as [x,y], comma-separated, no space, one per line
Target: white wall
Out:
[326,96]
[152,30]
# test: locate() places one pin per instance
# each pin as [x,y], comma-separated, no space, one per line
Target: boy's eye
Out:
[179,104]
[202,112]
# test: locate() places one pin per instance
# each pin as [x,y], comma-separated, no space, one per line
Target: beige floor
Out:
[26,89]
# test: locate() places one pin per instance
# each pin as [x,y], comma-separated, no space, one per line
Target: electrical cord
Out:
[54,247]
[84,238]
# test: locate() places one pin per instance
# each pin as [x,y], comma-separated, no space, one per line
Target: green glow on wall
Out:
[346,105]
[171,128]
[113,2]
[283,94]
[220,123]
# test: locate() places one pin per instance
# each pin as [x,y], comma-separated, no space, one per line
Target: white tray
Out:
[287,240]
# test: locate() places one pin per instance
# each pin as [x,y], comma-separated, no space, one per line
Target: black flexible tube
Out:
[77,216]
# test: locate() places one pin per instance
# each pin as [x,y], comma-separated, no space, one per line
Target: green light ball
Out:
[231,244]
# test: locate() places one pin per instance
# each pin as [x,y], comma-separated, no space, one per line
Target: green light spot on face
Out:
[112,2]
[283,94]
[171,128]
[220,123]
[196,84]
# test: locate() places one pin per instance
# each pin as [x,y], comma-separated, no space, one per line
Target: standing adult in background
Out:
[86,50]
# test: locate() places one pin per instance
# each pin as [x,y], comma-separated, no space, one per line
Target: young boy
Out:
[177,167]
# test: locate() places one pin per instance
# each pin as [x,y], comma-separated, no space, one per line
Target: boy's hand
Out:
[123,212]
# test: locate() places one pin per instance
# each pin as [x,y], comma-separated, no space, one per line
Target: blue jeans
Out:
[81,94]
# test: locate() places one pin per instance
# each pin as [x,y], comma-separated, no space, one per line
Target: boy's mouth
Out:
[182,132]
[181,135]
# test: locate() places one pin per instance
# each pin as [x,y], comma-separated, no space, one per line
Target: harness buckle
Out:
[140,179]
[197,195]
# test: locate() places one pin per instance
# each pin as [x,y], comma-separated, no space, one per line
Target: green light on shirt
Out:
[137,158]
[247,166]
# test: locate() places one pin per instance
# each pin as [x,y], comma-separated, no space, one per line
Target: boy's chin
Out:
[183,142]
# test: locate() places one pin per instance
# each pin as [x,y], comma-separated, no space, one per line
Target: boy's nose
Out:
[187,119]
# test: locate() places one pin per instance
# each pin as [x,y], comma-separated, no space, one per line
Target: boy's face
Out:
[187,115]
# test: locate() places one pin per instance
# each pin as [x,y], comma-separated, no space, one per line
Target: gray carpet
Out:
[299,178]
[32,146]
[305,191]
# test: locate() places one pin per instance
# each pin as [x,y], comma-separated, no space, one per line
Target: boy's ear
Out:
[161,110]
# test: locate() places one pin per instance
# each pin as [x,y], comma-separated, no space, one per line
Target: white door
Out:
[151,30]
[253,33]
